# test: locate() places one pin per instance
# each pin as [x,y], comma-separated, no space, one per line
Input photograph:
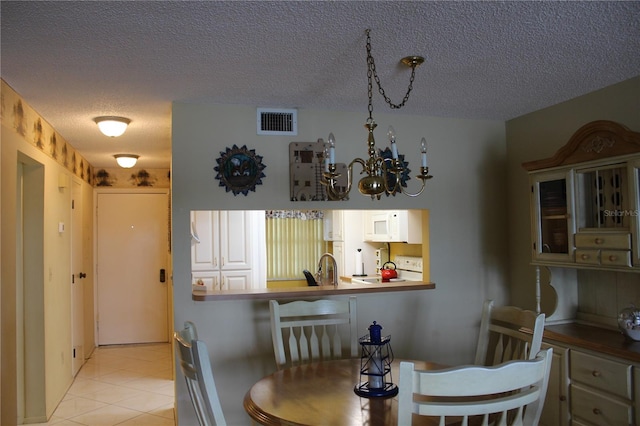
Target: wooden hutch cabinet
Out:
[585,201]
[585,214]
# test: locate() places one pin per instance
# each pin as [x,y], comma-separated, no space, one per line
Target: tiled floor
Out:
[121,385]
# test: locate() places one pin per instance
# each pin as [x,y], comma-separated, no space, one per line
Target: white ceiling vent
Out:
[273,121]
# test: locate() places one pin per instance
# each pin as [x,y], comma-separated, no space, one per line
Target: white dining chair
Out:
[196,367]
[508,333]
[512,393]
[304,331]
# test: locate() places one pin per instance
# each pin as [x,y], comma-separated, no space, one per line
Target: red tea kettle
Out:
[388,273]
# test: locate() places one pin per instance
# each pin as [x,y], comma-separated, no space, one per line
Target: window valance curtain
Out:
[295,214]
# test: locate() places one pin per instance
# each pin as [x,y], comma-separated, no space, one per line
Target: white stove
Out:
[409,268]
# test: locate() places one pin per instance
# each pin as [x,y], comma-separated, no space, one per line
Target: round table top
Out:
[321,393]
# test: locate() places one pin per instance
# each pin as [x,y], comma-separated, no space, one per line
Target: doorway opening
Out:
[30,350]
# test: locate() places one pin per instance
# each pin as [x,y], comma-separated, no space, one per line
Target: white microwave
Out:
[383,225]
[393,226]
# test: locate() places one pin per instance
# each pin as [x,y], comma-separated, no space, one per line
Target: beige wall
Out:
[47,303]
[476,168]
[539,135]
[467,204]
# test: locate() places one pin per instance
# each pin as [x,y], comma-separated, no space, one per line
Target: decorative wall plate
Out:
[306,164]
[240,170]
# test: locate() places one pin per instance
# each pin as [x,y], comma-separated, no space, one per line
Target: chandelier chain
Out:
[371,72]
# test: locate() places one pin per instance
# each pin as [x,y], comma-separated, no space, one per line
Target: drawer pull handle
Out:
[595,373]
[585,256]
[613,258]
[563,398]
[599,240]
[597,411]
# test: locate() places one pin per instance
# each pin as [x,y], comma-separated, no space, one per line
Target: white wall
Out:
[539,135]
[466,199]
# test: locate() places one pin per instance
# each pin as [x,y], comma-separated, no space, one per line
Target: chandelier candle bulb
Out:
[332,149]
[423,150]
[392,139]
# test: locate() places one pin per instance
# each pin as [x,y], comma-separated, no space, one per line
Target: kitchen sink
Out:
[365,280]
[374,280]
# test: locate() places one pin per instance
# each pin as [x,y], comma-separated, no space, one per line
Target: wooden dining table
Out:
[322,393]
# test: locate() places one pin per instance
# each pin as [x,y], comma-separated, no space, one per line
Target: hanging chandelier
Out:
[385,174]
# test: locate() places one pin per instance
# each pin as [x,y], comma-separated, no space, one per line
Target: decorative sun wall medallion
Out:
[240,170]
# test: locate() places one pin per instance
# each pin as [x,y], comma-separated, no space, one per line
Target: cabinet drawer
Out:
[588,257]
[596,408]
[603,240]
[609,376]
[615,257]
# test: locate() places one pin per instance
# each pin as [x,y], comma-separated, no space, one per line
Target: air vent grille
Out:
[277,121]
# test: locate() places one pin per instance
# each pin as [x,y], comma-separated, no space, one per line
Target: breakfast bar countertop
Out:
[344,287]
[603,340]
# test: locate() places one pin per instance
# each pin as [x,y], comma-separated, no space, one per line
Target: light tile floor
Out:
[121,385]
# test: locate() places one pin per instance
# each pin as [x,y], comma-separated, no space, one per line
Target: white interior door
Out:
[132,250]
[77,281]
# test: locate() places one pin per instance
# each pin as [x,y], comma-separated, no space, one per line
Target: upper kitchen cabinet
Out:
[228,250]
[585,200]
[393,226]
[333,225]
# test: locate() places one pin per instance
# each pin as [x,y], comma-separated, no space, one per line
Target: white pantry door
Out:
[77,280]
[132,245]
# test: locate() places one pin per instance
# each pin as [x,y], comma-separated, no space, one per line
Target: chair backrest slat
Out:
[508,333]
[196,368]
[316,330]
[499,393]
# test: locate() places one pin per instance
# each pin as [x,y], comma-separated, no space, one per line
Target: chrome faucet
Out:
[334,278]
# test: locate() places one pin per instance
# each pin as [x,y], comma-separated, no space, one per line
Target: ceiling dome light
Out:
[126,161]
[112,126]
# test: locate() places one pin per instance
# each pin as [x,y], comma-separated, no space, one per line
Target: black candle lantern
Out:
[375,365]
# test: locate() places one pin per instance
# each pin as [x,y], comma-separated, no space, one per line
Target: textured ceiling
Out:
[73,61]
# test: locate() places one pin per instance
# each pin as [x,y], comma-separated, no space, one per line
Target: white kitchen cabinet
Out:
[403,226]
[228,249]
[236,228]
[223,280]
[585,201]
[205,249]
[333,225]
